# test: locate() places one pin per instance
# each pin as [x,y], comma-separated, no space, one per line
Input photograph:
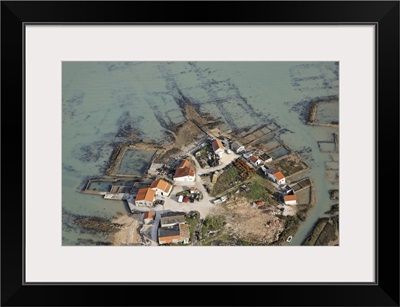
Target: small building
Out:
[145,197]
[276,176]
[184,163]
[247,155]
[169,235]
[287,189]
[267,158]
[161,187]
[218,148]
[290,200]
[255,160]
[148,217]
[185,172]
[173,235]
[237,147]
[171,218]
[214,177]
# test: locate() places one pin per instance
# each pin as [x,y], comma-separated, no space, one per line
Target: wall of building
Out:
[169,240]
[186,178]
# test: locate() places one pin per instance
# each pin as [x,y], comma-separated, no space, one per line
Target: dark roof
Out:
[236,145]
[172,213]
[172,219]
[169,231]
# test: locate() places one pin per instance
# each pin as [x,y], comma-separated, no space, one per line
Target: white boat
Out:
[289,238]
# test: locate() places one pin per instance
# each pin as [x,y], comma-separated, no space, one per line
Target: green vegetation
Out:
[327,235]
[291,226]
[256,192]
[258,189]
[226,180]
[316,232]
[334,210]
[302,211]
[212,223]
[192,225]
[219,239]
[334,194]
[201,156]
[203,152]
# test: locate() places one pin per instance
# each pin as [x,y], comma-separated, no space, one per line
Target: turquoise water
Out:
[101,98]
[135,162]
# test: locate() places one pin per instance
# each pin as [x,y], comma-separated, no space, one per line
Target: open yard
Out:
[201,156]
[290,165]
[259,189]
[226,180]
[304,196]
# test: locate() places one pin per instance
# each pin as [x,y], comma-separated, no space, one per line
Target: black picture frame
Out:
[14,15]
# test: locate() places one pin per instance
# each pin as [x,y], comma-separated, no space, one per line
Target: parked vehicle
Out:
[180,199]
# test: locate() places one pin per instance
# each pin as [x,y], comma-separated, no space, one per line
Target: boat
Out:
[289,238]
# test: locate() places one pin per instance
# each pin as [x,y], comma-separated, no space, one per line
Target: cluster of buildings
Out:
[147,196]
[160,187]
[169,227]
[185,172]
[289,198]
[276,176]
[173,229]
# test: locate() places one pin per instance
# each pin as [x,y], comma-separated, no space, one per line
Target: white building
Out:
[256,161]
[218,148]
[161,187]
[247,155]
[276,176]
[237,147]
[145,197]
[268,158]
[185,172]
[290,200]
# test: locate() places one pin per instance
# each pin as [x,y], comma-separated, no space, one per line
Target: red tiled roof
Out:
[186,171]
[216,144]
[260,203]
[289,197]
[278,175]
[253,159]
[145,194]
[184,163]
[149,215]
[161,185]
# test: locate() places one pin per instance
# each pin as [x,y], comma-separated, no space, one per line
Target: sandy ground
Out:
[289,210]
[251,224]
[129,233]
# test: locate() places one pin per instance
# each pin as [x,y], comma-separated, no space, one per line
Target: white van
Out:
[180,199]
